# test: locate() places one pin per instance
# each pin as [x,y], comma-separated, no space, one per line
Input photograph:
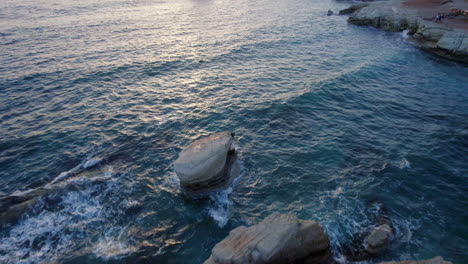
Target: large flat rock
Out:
[280,238]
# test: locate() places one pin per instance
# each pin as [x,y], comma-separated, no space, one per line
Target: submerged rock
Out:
[207,164]
[436,260]
[378,239]
[279,238]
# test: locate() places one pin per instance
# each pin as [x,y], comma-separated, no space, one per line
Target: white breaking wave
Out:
[87,163]
[219,209]
[114,244]
[22,193]
[337,192]
[91,162]
[404,164]
[49,234]
[405,34]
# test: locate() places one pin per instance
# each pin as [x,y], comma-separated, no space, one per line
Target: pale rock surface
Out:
[454,42]
[378,239]
[437,38]
[279,238]
[204,165]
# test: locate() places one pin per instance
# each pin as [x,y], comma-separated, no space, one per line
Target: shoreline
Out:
[447,37]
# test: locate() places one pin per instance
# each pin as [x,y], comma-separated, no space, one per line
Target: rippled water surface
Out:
[332,121]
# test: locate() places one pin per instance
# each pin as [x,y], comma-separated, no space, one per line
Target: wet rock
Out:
[374,239]
[385,16]
[12,212]
[279,238]
[329,13]
[430,31]
[353,8]
[432,37]
[436,260]
[454,43]
[207,164]
[15,205]
[378,239]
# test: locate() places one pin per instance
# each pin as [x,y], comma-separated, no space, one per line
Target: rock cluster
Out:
[207,164]
[279,238]
[433,37]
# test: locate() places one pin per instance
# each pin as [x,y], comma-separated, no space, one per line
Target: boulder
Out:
[279,238]
[378,239]
[436,260]
[207,164]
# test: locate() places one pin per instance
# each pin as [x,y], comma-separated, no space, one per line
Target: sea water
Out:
[333,123]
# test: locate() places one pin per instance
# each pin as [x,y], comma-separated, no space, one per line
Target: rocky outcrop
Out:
[436,260]
[454,44]
[386,16]
[378,239]
[430,31]
[280,238]
[433,37]
[353,8]
[207,164]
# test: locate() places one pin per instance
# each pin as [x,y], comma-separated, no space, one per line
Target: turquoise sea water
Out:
[332,121]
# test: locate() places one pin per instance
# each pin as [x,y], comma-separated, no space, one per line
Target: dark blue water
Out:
[98,97]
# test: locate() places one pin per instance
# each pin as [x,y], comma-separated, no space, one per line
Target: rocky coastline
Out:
[446,36]
[207,165]
[283,238]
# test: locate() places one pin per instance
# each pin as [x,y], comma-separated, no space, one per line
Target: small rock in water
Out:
[329,13]
[378,239]
[279,238]
[207,164]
